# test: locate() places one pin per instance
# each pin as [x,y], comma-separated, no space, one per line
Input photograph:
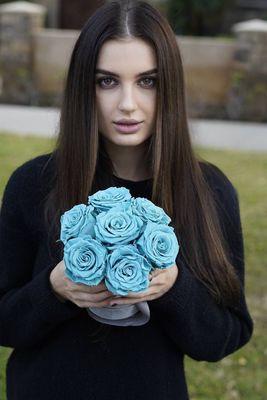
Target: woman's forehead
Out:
[135,56]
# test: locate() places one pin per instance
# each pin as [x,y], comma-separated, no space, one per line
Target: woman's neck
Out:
[129,162]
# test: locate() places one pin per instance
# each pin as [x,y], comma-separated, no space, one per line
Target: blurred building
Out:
[244,10]
[69,14]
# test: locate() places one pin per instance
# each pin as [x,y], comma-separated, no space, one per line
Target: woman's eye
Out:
[149,82]
[106,80]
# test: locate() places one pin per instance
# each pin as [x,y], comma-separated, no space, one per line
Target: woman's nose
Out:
[127,99]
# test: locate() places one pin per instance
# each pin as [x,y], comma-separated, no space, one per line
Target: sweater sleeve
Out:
[29,309]
[199,327]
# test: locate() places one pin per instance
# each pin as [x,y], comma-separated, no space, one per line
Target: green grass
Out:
[241,375]
[14,150]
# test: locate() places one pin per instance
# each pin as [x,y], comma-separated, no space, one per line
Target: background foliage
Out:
[198,18]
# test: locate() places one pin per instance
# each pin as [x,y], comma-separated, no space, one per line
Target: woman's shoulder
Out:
[223,191]
[28,177]
[217,179]
[224,194]
[33,166]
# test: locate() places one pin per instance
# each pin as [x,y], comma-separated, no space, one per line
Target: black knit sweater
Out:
[55,357]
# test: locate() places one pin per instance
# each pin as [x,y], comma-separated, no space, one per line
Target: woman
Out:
[197,306]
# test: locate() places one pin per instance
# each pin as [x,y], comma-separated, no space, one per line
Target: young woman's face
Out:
[123,93]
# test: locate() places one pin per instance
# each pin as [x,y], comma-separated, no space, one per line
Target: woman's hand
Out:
[161,280]
[80,294]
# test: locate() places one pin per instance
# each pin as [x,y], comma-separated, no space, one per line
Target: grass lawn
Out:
[241,375]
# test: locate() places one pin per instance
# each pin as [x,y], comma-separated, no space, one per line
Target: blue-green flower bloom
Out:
[84,259]
[104,200]
[159,244]
[148,211]
[118,226]
[78,221]
[127,270]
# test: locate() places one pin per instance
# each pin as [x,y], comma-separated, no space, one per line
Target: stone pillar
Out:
[247,99]
[52,17]
[18,22]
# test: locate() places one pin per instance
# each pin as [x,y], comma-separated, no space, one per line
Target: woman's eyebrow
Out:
[103,71]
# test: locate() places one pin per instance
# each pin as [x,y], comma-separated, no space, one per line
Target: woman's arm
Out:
[29,308]
[189,315]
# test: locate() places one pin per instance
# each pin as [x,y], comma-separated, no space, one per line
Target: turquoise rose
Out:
[84,259]
[159,244]
[148,211]
[78,221]
[127,270]
[118,226]
[104,200]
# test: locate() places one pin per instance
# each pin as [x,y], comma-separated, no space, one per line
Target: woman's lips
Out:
[128,128]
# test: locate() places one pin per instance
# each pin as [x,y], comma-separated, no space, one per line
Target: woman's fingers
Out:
[86,304]
[91,289]
[99,296]
[134,297]
[95,298]
[100,301]
[128,300]
[152,292]
[92,297]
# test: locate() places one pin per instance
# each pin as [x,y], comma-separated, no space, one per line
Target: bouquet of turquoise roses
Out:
[117,238]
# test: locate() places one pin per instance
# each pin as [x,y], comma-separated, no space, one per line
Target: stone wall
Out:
[247,97]
[208,66]
[52,50]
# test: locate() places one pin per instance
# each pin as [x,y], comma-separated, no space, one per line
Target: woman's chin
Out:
[127,140]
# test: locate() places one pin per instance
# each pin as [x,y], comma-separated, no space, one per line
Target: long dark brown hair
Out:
[179,185]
